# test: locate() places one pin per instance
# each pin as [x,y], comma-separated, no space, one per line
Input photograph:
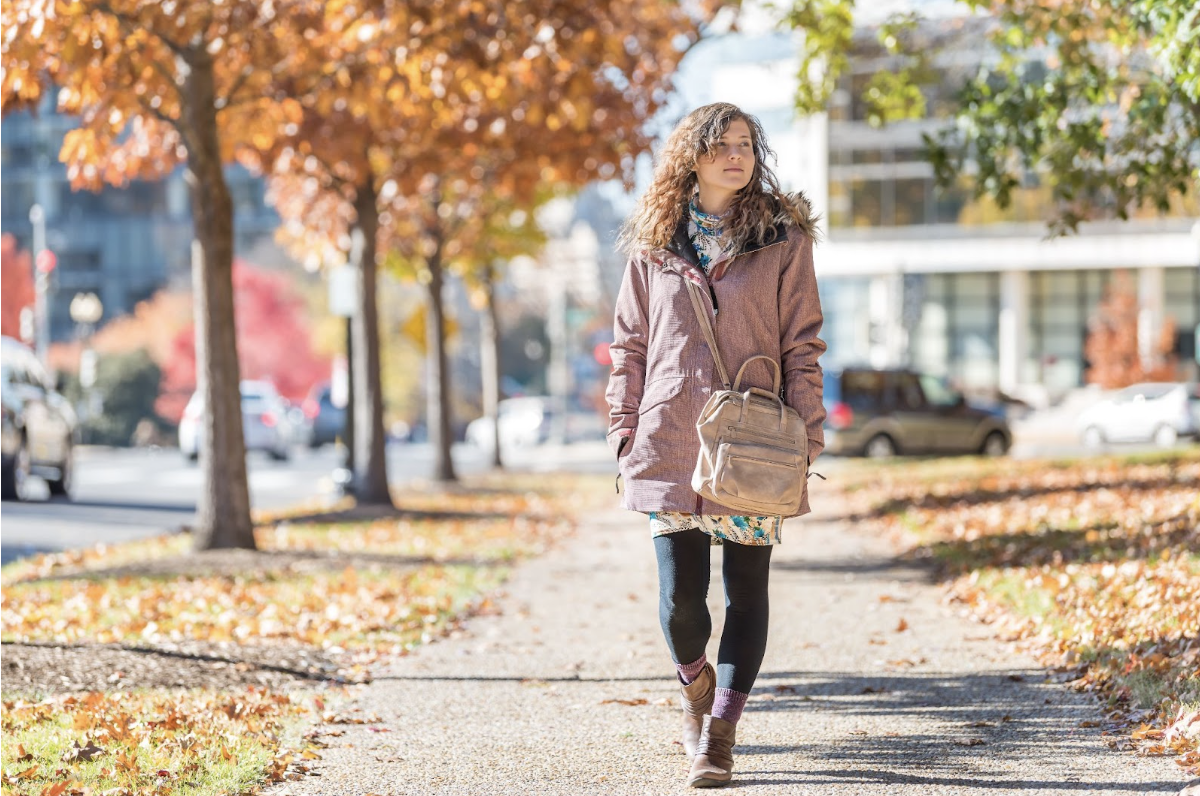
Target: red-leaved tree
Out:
[16,285]
[273,342]
[1113,349]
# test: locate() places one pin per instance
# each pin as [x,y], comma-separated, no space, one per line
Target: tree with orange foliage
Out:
[1113,349]
[16,290]
[158,85]
[440,107]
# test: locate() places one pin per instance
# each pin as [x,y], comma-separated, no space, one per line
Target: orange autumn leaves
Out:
[325,609]
[397,598]
[123,744]
[1094,562]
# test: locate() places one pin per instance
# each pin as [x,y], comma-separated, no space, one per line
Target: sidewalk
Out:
[568,690]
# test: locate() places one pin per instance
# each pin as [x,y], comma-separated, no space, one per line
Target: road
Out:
[123,494]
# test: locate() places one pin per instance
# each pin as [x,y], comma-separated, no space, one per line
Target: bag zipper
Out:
[765,437]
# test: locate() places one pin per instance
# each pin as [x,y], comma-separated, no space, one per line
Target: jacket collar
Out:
[682,248]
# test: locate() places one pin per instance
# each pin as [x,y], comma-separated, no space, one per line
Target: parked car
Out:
[325,421]
[264,419]
[1158,412]
[523,421]
[881,413]
[39,425]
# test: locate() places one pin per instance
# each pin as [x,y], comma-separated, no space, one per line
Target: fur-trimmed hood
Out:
[809,218]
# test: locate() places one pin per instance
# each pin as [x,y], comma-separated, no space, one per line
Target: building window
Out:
[1061,303]
[866,203]
[17,196]
[846,330]
[79,262]
[1182,288]
[911,204]
[958,333]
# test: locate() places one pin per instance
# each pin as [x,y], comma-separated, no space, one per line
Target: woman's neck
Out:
[714,201]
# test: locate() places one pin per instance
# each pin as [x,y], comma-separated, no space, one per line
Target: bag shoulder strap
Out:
[706,327]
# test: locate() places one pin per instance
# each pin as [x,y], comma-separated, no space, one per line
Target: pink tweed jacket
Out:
[763,301]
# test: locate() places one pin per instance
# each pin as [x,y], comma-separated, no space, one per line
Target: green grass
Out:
[1017,594]
[187,742]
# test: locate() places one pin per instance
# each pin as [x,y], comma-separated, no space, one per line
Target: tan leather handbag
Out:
[753,447]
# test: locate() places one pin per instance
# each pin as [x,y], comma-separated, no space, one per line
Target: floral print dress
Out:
[704,231]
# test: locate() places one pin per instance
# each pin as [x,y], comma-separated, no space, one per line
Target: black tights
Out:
[683,575]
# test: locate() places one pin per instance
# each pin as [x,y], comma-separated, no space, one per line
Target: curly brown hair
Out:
[754,210]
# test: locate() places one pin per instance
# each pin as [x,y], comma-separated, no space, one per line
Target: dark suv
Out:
[326,422]
[39,425]
[882,413]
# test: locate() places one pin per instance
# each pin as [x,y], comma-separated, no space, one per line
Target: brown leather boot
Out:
[697,699]
[713,766]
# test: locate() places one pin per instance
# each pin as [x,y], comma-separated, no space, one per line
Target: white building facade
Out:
[935,280]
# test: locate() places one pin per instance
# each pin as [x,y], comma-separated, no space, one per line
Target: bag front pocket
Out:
[758,478]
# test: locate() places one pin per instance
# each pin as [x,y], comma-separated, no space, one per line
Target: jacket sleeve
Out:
[800,320]
[628,350]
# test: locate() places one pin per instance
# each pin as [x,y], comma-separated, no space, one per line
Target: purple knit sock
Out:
[728,705]
[690,671]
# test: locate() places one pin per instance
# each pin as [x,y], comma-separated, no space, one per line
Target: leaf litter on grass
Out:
[1095,563]
[411,576]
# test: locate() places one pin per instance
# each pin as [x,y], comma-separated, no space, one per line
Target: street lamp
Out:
[86,311]
[41,307]
[86,308]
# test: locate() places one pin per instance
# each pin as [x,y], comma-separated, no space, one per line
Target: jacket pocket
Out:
[664,423]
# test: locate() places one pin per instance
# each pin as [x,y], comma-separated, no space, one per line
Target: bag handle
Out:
[737,382]
[773,397]
[706,327]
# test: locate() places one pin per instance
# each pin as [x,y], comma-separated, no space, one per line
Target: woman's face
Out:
[728,168]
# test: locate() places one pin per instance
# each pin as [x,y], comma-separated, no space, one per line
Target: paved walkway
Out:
[568,690]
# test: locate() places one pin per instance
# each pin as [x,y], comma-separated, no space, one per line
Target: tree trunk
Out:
[489,358]
[439,373]
[223,512]
[348,430]
[370,474]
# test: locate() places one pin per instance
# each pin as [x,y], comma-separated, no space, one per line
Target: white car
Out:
[264,417]
[524,421]
[1160,412]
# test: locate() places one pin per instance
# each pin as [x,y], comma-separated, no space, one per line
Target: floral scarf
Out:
[704,232]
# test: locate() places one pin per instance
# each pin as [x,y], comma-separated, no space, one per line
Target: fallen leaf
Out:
[88,751]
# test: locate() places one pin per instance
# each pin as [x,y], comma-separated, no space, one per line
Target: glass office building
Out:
[913,275]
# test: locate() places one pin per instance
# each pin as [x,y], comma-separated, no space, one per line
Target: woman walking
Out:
[714,214]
